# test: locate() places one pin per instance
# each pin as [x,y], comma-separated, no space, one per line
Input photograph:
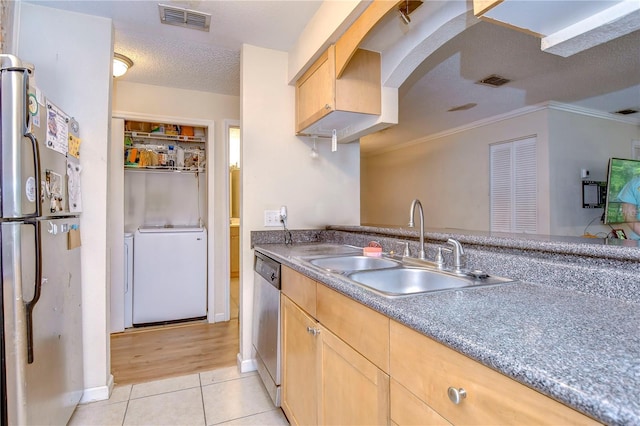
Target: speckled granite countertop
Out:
[595,247]
[582,350]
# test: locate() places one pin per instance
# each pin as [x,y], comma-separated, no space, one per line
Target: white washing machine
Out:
[169,274]
[128,280]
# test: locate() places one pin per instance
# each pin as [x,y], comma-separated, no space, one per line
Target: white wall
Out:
[72,56]
[277,168]
[578,141]
[150,100]
[325,27]
[450,173]
[115,225]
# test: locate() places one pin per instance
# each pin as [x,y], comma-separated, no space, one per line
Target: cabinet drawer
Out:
[300,289]
[366,330]
[428,369]
[407,409]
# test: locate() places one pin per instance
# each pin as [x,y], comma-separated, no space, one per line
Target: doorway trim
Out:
[211,231]
[228,123]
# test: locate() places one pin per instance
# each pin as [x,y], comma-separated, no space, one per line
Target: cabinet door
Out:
[299,364]
[315,90]
[408,409]
[353,390]
[234,249]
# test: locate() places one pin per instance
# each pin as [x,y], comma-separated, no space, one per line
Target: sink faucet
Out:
[458,253]
[417,202]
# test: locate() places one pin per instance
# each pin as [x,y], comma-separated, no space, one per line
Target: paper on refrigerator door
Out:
[74,146]
[57,129]
[73,186]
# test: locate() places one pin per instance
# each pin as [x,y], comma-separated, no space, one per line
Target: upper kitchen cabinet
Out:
[565,27]
[338,101]
[342,90]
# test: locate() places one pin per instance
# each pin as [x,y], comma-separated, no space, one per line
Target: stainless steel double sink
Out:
[393,278]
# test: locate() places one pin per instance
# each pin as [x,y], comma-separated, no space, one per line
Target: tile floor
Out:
[222,396]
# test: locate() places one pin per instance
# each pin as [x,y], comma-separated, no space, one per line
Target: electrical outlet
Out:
[272,218]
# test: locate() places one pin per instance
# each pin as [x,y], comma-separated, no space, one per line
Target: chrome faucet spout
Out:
[422,255]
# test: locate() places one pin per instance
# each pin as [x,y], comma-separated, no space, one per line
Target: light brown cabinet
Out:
[299,365]
[320,94]
[353,390]
[344,363]
[234,250]
[325,380]
[366,330]
[428,371]
[408,409]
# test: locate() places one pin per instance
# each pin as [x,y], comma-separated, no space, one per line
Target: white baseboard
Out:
[220,317]
[99,393]
[246,365]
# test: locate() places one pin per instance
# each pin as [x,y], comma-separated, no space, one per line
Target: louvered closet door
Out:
[635,150]
[514,197]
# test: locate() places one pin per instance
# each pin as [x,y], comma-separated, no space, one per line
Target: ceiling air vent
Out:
[626,111]
[493,80]
[172,15]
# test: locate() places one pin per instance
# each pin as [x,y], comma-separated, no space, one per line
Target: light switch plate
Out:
[272,218]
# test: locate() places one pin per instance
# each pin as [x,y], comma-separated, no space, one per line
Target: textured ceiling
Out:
[604,78]
[171,56]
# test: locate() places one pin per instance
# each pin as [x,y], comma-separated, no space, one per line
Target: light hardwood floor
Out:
[153,353]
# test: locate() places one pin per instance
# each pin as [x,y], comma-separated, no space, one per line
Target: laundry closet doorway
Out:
[159,189]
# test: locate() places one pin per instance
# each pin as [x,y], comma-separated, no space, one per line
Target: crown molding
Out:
[558,106]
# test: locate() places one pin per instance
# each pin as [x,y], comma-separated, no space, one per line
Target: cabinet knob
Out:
[327,106]
[456,395]
[313,331]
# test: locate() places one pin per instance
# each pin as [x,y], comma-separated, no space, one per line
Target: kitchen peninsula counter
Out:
[580,349]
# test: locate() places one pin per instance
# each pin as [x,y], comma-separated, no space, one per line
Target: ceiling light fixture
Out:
[121,64]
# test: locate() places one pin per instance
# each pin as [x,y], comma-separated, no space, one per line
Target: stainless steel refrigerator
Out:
[42,367]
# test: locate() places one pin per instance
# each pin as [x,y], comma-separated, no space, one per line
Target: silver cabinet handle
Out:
[327,106]
[313,331]
[456,395]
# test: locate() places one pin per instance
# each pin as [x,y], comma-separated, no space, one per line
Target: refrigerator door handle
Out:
[37,290]
[36,168]
[34,144]
[27,113]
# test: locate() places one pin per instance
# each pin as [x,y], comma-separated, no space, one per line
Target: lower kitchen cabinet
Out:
[344,363]
[324,379]
[353,390]
[438,376]
[299,365]
[408,409]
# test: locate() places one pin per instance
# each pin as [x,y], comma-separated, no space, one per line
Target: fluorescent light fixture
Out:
[121,64]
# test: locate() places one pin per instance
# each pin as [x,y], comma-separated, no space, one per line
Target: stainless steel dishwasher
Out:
[266,323]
